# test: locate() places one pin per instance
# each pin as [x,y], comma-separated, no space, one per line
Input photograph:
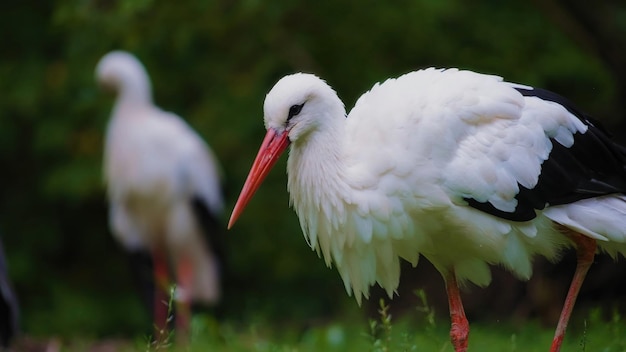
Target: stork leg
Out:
[585,252]
[183,298]
[161,296]
[459,331]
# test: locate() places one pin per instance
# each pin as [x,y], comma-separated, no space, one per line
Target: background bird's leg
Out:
[161,296]
[183,297]
[585,252]
[459,331]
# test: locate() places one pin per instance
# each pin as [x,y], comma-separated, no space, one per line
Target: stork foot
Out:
[185,271]
[161,297]
[459,333]
[585,252]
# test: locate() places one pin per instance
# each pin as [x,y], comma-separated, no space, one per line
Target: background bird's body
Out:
[460,167]
[149,163]
[162,182]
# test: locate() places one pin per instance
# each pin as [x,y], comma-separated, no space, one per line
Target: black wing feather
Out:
[593,166]
[9,308]
[142,273]
[211,227]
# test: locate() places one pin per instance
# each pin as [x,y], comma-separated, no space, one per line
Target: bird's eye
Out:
[294,110]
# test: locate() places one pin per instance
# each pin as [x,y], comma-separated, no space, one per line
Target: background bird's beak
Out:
[274,144]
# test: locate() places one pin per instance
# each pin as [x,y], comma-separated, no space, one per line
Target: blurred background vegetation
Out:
[212,62]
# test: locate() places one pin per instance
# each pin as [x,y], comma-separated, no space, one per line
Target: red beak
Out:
[272,147]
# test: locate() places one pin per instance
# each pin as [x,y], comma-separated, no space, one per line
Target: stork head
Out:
[298,106]
[122,72]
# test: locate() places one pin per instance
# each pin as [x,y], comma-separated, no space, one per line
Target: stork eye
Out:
[294,110]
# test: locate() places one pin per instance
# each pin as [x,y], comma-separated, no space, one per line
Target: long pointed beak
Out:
[273,146]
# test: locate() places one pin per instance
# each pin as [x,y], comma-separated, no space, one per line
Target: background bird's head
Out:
[120,70]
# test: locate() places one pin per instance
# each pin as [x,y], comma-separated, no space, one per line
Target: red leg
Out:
[459,331]
[585,252]
[161,295]
[183,298]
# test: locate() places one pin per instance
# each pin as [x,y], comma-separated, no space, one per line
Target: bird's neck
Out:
[316,177]
[134,92]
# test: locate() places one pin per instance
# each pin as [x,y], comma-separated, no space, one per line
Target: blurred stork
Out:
[9,308]
[164,191]
[460,167]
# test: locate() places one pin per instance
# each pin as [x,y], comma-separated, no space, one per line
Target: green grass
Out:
[422,331]
[385,334]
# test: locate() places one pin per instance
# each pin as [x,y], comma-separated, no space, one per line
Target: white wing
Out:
[472,135]
[157,154]
[200,169]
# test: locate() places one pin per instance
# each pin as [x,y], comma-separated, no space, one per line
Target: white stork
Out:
[460,167]
[163,187]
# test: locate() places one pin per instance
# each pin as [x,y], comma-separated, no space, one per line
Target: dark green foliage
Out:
[212,62]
